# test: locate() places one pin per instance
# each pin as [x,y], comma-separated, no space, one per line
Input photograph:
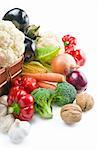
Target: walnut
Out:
[85,101]
[71,113]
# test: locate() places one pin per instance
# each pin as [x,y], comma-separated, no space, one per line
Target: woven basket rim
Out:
[10,66]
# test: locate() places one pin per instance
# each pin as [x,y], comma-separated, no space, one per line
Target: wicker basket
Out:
[7,74]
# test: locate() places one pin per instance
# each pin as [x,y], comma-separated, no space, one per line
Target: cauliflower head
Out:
[11,43]
[48,39]
[47,48]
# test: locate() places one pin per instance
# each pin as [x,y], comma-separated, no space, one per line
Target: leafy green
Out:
[65,93]
[47,53]
[42,102]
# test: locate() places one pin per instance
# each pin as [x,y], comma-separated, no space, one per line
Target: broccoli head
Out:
[42,102]
[65,93]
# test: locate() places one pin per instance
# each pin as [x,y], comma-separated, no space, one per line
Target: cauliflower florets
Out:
[11,43]
[50,39]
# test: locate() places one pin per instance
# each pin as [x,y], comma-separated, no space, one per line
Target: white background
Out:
[79,18]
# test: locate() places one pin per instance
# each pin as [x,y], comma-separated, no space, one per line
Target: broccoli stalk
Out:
[42,102]
[45,111]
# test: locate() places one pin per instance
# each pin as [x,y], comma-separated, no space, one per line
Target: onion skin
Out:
[78,80]
[63,63]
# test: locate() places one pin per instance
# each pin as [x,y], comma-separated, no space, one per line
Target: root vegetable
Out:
[46,85]
[52,77]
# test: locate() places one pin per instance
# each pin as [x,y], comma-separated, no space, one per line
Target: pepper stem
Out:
[66,43]
[14,108]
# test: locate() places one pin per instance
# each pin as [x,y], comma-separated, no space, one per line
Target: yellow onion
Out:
[63,63]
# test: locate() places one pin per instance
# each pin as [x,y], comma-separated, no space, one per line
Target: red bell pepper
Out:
[79,57]
[69,42]
[27,83]
[20,104]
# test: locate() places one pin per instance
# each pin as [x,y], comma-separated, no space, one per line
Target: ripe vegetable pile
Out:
[50,77]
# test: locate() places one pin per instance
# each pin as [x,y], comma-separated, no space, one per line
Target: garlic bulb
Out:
[6,122]
[3,100]
[18,131]
[3,110]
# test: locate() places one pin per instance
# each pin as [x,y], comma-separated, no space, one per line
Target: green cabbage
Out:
[48,47]
[46,54]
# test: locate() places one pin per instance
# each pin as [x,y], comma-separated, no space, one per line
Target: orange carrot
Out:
[46,85]
[52,77]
